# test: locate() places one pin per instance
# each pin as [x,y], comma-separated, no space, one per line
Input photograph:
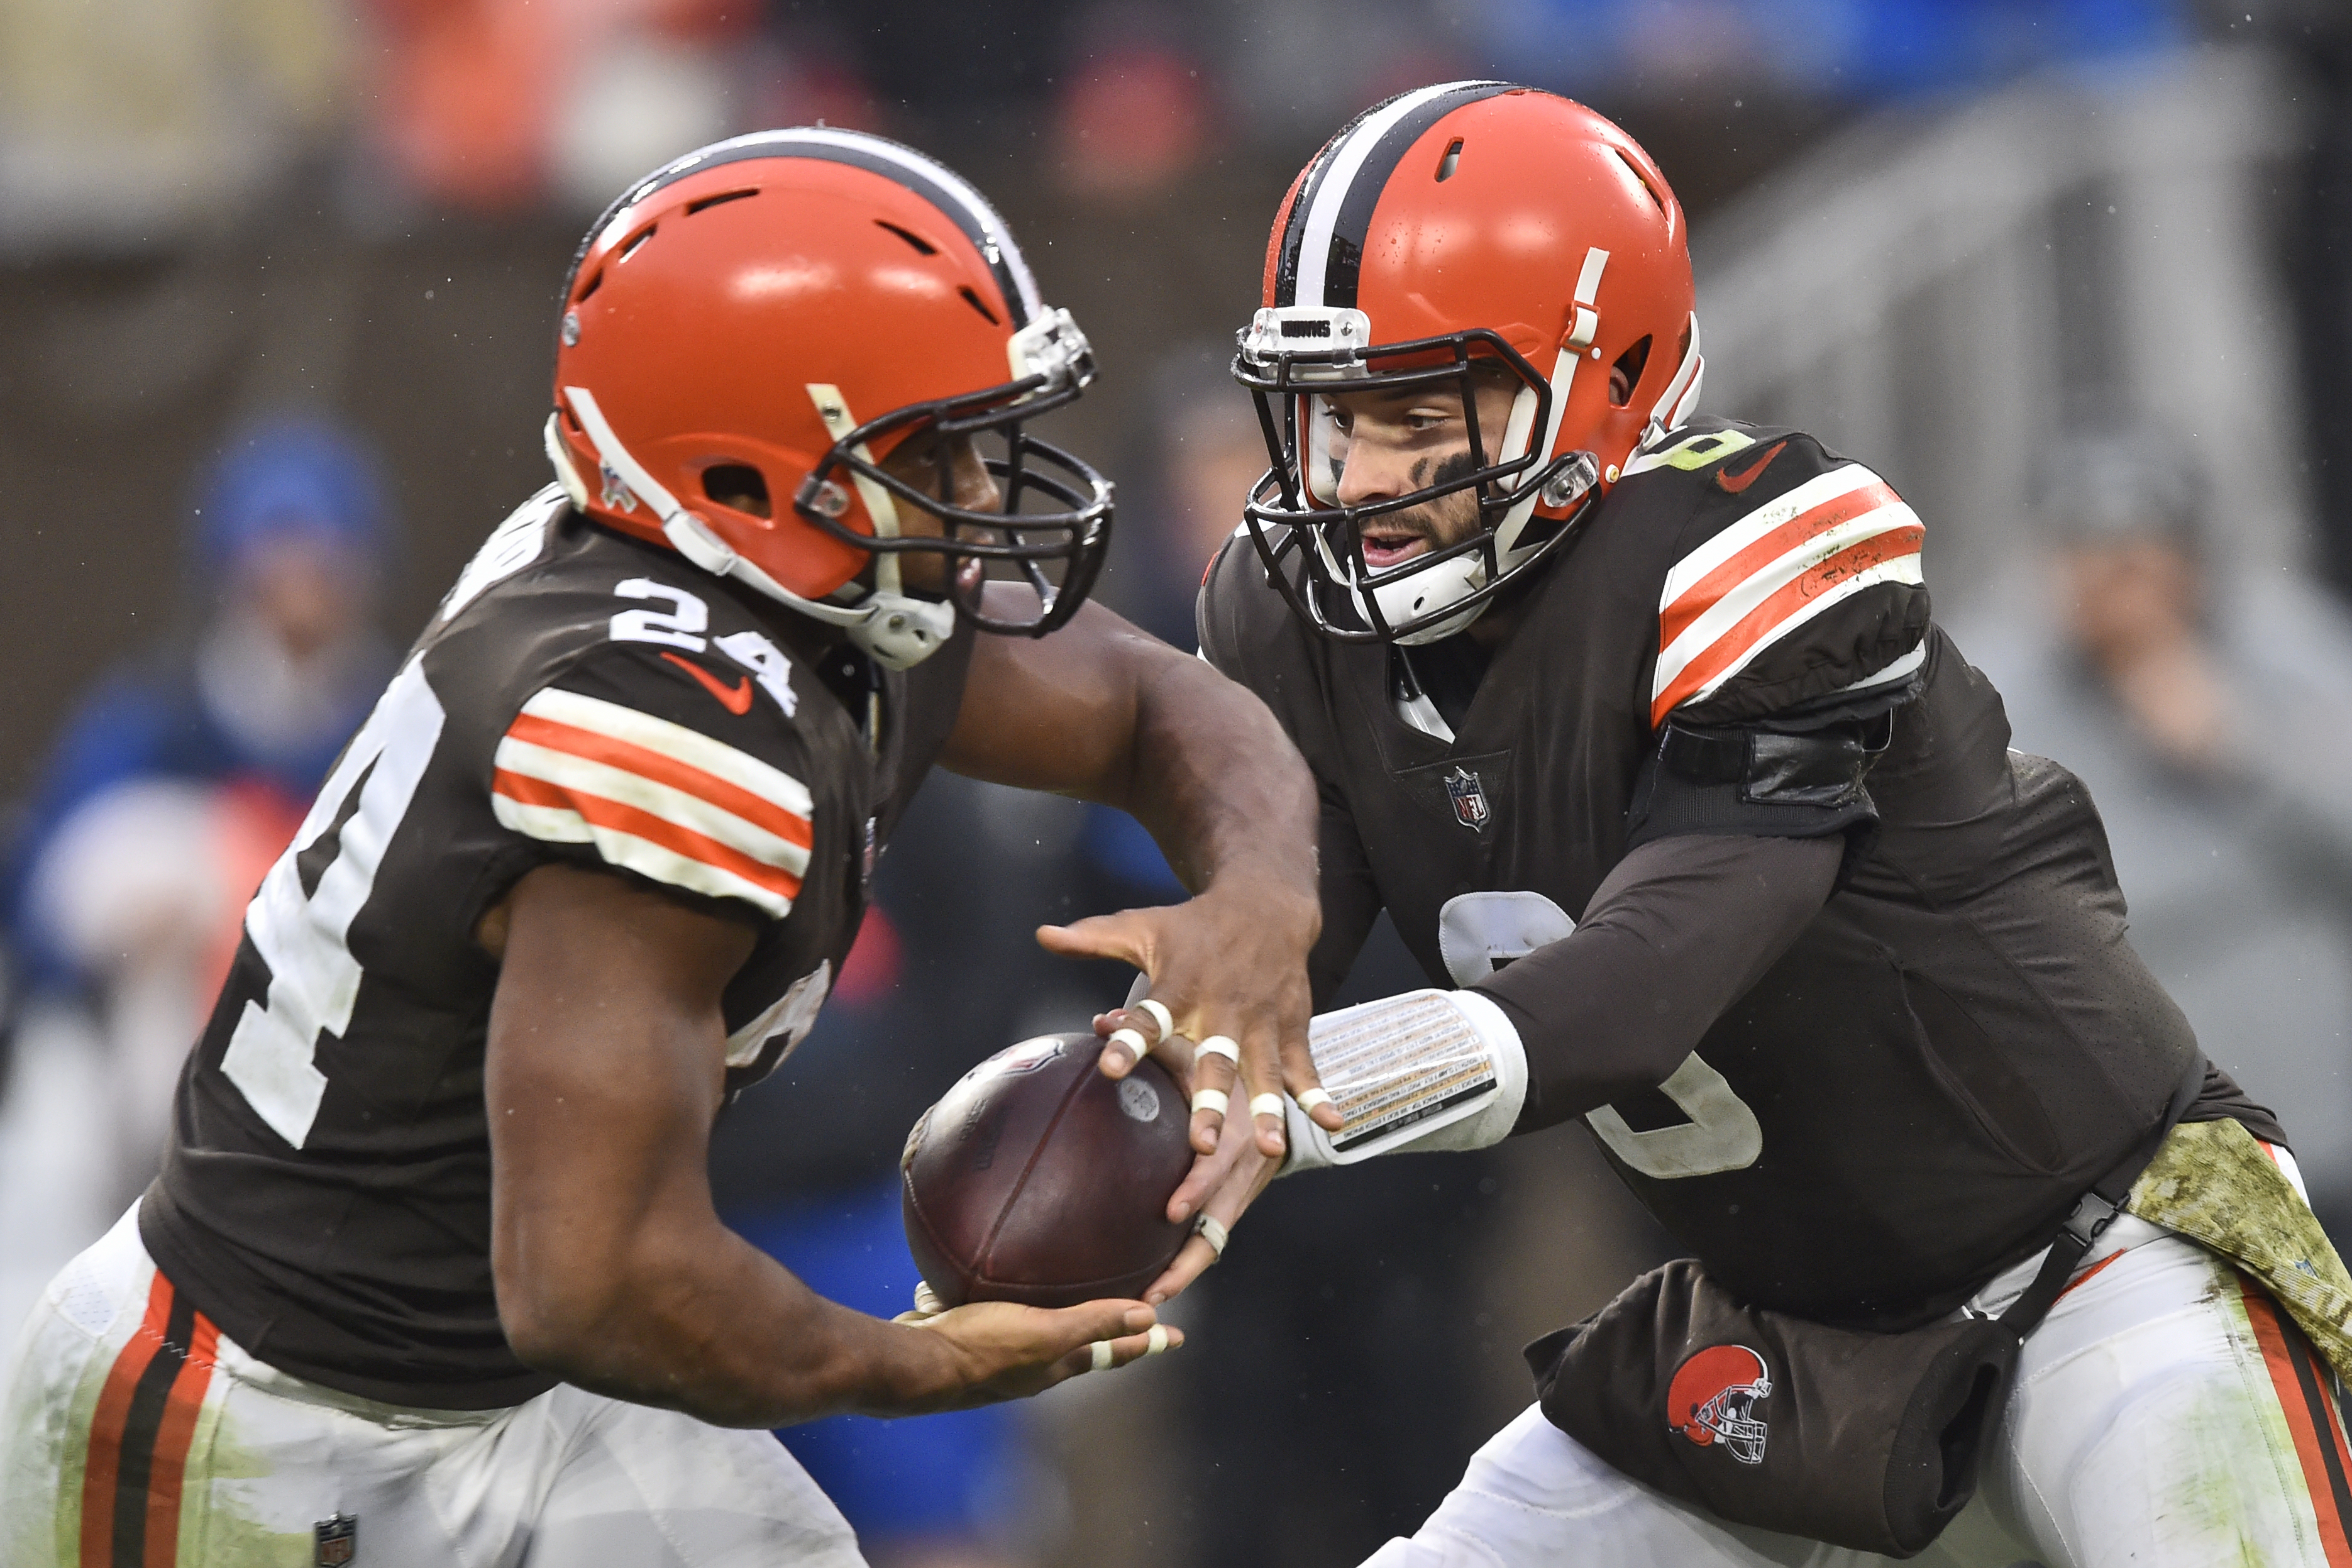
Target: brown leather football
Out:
[1035,1179]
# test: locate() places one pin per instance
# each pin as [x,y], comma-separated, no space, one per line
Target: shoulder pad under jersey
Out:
[1793,580]
[667,745]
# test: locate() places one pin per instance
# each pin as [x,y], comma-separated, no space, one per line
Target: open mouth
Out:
[1387,547]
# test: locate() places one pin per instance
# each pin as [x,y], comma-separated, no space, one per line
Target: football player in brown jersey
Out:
[1638,726]
[432,1274]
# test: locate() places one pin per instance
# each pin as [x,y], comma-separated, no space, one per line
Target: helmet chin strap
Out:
[892,628]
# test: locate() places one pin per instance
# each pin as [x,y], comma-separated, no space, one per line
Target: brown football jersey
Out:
[580,698]
[1953,1049]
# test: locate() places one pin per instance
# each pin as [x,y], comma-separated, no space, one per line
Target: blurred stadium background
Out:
[276,283]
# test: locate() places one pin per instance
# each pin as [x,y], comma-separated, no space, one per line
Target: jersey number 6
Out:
[1477,934]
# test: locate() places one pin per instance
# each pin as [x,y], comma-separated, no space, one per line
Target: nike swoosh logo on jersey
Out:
[1734,486]
[736,700]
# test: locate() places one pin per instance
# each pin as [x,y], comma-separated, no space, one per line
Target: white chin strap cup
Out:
[1448,583]
[895,630]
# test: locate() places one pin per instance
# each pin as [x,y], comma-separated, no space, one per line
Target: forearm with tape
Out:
[1424,1071]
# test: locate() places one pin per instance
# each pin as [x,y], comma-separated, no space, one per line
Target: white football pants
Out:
[2167,1415]
[132,1431]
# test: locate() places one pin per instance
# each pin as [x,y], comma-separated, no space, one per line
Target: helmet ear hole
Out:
[738,486]
[1626,373]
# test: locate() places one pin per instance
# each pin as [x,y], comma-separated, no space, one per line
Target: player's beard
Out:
[1442,520]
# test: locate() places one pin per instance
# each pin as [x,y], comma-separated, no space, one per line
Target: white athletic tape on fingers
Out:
[1212,1231]
[1102,1356]
[1265,1105]
[1209,1099]
[1313,1098]
[1159,1015]
[1133,1040]
[1156,1341]
[1220,1045]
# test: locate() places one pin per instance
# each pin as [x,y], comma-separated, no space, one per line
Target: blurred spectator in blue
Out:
[185,771]
[2210,715]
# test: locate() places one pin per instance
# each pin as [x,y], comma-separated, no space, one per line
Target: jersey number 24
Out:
[303,936]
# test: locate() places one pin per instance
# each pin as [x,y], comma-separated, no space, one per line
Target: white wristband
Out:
[1426,1071]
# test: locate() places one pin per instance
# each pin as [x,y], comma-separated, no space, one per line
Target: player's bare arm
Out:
[1102,711]
[591,867]
[604,1076]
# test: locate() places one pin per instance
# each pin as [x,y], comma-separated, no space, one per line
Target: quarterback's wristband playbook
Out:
[1426,1071]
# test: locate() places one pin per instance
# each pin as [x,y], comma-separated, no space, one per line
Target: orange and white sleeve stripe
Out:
[1771,571]
[655,797]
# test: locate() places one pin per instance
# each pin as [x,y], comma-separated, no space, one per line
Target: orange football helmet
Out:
[797,303]
[1451,229]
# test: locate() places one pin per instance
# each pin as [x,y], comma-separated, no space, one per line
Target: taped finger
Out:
[1156,1341]
[1265,1105]
[1313,1098]
[1102,1356]
[1159,1015]
[1212,1231]
[1212,1100]
[1220,1045]
[1133,1040]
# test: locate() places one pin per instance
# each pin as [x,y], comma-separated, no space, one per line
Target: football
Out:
[1037,1179]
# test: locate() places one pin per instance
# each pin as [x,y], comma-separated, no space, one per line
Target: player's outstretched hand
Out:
[1220,1187]
[1229,967]
[998,1349]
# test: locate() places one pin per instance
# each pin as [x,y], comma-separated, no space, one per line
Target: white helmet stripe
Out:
[1332,190]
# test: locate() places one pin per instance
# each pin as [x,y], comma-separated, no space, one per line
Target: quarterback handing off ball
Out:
[1037,1179]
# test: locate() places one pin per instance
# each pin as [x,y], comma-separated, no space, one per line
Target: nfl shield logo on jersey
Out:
[1713,1399]
[339,1540]
[1469,799]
